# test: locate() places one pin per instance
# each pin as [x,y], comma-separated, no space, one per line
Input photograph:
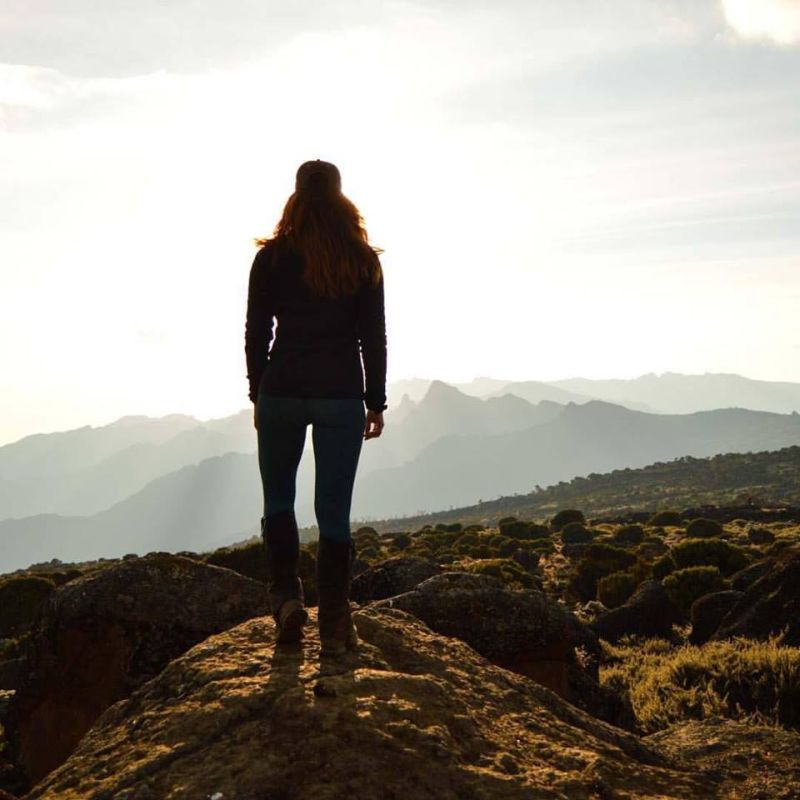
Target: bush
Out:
[702,528]
[505,521]
[666,518]
[685,585]
[474,527]
[566,516]
[511,573]
[20,599]
[615,589]
[516,529]
[663,566]
[575,533]
[598,561]
[710,552]
[760,536]
[452,527]
[400,541]
[628,534]
[248,560]
[739,680]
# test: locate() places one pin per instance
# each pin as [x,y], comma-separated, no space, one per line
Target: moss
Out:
[684,586]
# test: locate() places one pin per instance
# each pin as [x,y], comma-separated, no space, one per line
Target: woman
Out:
[323,281]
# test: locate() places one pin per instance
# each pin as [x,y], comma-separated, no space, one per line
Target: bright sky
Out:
[562,188]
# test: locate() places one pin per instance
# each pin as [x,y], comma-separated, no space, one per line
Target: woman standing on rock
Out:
[323,281]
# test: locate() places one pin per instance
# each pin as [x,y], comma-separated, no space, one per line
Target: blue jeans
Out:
[337,435]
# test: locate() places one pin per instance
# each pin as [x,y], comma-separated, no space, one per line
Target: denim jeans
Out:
[337,435]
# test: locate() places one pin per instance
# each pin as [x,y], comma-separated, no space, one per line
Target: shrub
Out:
[20,599]
[598,561]
[663,566]
[575,533]
[652,548]
[615,589]
[760,536]
[685,585]
[538,531]
[565,516]
[452,527]
[515,529]
[738,679]
[709,552]
[474,527]
[505,521]
[665,518]
[248,560]
[628,534]
[702,528]
[511,573]
[401,541]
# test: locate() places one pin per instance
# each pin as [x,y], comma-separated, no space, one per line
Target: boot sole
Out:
[292,628]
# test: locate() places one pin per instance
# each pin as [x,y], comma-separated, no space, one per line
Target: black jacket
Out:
[316,346]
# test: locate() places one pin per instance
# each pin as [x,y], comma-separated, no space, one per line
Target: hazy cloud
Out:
[778,20]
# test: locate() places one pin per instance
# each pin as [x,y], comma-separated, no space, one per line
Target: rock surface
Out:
[102,635]
[390,577]
[649,612]
[708,611]
[754,762]
[519,629]
[411,714]
[769,606]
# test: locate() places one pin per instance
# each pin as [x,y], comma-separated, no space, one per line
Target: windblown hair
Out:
[327,230]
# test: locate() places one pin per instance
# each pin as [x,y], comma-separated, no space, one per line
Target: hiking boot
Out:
[282,552]
[335,559]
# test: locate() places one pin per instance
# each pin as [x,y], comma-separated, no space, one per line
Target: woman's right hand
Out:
[373,424]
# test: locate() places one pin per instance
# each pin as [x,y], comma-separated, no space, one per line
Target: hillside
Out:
[770,477]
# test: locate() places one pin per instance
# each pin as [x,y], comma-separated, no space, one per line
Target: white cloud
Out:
[778,20]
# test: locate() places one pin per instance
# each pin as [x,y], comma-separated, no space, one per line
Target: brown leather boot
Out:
[335,559]
[282,551]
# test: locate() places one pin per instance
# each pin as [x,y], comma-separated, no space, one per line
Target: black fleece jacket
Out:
[315,352]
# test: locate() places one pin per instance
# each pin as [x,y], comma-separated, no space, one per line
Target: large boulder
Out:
[648,613]
[411,714]
[99,637]
[390,577]
[708,611]
[770,606]
[519,629]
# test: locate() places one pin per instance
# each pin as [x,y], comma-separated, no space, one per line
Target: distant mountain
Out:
[89,469]
[537,391]
[196,507]
[675,393]
[592,437]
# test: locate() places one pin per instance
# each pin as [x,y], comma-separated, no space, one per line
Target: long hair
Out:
[327,230]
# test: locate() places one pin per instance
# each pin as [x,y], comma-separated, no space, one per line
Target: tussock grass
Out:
[738,679]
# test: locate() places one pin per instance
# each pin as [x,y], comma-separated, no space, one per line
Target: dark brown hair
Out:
[327,230]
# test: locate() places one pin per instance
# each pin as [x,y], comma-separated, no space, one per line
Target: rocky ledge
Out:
[411,714]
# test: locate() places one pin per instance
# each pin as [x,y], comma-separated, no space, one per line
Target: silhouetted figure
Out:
[323,282]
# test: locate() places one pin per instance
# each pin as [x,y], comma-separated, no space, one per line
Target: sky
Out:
[561,188]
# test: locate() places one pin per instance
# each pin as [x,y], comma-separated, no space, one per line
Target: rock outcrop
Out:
[411,714]
[519,629]
[708,611]
[648,613]
[770,606]
[100,636]
[390,577]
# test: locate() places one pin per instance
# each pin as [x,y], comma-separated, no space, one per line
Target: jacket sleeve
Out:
[259,324]
[372,340]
